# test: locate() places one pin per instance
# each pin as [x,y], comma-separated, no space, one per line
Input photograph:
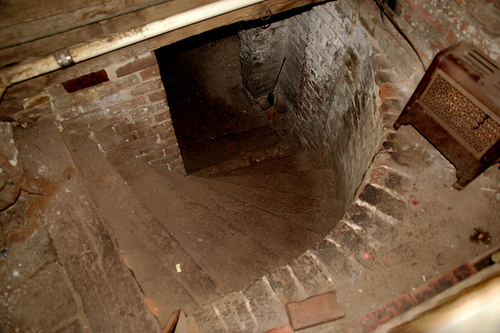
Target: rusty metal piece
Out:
[457,109]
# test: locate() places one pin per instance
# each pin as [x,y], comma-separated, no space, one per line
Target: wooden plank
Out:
[18,29]
[122,23]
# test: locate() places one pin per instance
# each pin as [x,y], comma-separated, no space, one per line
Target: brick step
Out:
[145,243]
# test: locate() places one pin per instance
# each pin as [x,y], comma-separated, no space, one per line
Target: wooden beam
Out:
[54,17]
[48,45]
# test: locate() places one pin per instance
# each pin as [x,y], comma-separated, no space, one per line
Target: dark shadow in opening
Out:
[214,116]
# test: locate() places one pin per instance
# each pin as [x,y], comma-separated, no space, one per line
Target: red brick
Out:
[393,106]
[74,122]
[434,20]
[167,135]
[443,283]
[414,4]
[127,82]
[158,96]
[136,66]
[105,134]
[171,150]
[283,329]
[482,264]
[388,90]
[37,101]
[314,311]
[423,294]
[452,37]
[152,130]
[126,105]
[387,312]
[462,272]
[147,87]
[150,73]
[162,117]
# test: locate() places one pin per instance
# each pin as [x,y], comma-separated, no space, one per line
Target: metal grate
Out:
[458,112]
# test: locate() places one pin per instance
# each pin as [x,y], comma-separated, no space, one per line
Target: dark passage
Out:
[214,117]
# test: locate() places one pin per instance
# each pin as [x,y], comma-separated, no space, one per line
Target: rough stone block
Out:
[314,311]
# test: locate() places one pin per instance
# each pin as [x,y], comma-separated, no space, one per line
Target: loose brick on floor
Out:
[313,311]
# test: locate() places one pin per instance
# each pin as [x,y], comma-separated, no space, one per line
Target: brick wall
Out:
[436,24]
[261,55]
[126,116]
[349,73]
[329,80]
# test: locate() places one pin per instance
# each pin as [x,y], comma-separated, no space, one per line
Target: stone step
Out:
[295,161]
[250,153]
[312,183]
[231,258]
[318,215]
[72,278]
[204,153]
[145,243]
[284,238]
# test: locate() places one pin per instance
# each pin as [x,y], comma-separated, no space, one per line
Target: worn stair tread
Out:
[201,154]
[312,183]
[145,244]
[298,161]
[231,258]
[282,237]
[285,147]
[315,214]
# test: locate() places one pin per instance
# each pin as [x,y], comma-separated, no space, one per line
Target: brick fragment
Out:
[314,311]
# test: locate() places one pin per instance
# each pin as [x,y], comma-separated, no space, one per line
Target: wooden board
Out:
[44,46]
